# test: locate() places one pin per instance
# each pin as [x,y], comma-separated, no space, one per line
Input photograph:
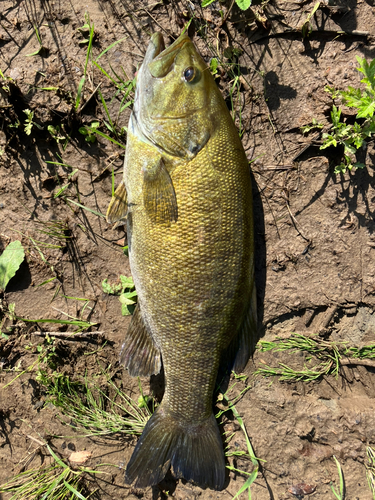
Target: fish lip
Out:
[162,63]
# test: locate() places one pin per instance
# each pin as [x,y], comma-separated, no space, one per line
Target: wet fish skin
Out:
[190,233]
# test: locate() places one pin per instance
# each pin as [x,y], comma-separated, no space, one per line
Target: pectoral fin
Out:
[159,196]
[139,354]
[117,209]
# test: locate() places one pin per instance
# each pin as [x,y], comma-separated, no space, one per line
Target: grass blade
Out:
[86,208]
[74,491]
[79,92]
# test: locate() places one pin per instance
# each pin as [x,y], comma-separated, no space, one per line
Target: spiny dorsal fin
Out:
[118,207]
[139,353]
[159,196]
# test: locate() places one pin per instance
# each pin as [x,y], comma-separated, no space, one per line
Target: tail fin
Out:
[195,452]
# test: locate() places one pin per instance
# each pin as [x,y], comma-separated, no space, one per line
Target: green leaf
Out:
[352,97]
[366,109]
[243,4]
[127,309]
[349,149]
[207,2]
[126,282]
[213,65]
[329,140]
[83,131]
[10,261]
[249,481]
[111,289]
[127,298]
[368,70]
[79,91]
[335,115]
[340,169]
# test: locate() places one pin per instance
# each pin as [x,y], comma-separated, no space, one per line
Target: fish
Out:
[186,198]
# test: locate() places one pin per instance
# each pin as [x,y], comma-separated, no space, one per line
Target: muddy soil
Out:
[315,230]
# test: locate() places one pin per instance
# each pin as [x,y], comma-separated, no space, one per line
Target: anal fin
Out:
[139,354]
[117,209]
[159,196]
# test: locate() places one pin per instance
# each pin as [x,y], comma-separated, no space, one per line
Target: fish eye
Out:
[191,74]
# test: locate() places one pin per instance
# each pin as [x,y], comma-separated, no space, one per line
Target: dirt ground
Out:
[315,230]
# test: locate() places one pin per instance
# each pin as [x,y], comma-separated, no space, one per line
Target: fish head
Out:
[173,103]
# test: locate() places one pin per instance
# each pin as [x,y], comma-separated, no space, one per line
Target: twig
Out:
[277,167]
[68,335]
[227,13]
[295,224]
[287,33]
[88,100]
[41,443]
[156,22]
[357,361]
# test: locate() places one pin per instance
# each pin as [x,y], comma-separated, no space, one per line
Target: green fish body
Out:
[187,191]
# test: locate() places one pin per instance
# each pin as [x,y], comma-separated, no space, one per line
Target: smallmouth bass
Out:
[186,193]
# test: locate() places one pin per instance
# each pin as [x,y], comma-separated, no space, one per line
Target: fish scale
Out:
[189,223]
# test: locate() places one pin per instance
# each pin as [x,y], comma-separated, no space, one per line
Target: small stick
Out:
[87,100]
[360,362]
[295,223]
[227,13]
[41,443]
[68,335]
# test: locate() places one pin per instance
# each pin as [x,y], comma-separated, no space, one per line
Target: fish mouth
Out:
[162,62]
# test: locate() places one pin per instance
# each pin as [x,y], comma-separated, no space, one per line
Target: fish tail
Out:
[195,452]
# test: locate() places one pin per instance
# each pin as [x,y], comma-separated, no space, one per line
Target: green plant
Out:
[29,122]
[42,49]
[10,261]
[251,477]
[81,324]
[214,63]
[56,481]
[97,409]
[313,126]
[63,188]
[306,27]
[242,4]
[88,54]
[56,133]
[226,404]
[6,314]
[125,290]
[322,357]
[340,495]
[89,131]
[85,30]
[124,89]
[353,137]
[46,356]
